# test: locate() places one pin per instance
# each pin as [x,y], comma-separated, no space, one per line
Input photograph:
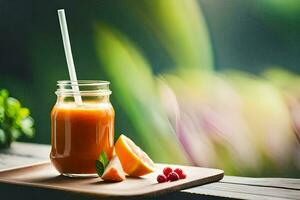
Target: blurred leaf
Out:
[14,120]
[21,115]
[285,80]
[24,112]
[3,96]
[267,115]
[13,107]
[2,114]
[2,137]
[27,126]
[15,133]
[134,84]
[4,93]
[180,26]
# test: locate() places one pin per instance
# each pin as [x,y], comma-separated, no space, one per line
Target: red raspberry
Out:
[182,176]
[161,179]
[167,171]
[173,176]
[178,171]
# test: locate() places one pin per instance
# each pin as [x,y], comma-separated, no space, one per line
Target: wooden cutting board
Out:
[43,175]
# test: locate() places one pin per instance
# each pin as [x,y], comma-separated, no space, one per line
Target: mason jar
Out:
[81,130]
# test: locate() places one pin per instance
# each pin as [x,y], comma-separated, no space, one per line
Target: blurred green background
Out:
[209,82]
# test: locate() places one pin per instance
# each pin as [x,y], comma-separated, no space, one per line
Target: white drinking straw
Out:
[68,52]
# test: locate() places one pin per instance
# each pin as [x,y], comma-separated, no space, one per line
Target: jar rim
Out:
[87,88]
[83,83]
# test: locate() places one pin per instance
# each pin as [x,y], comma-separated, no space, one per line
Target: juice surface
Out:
[79,134]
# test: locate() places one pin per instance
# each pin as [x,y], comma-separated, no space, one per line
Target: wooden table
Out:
[231,187]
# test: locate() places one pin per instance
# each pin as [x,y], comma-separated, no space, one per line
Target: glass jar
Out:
[81,130]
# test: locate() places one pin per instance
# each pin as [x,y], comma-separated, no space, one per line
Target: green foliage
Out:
[15,120]
[101,163]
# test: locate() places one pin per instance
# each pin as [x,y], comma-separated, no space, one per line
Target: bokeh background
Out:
[209,83]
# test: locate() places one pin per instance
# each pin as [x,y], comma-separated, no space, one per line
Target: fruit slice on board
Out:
[134,160]
[114,171]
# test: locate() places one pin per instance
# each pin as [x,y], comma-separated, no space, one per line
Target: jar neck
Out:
[89,91]
[86,100]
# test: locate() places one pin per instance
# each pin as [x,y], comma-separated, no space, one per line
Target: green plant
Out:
[15,120]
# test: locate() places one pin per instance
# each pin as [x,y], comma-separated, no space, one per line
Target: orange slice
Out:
[135,162]
[114,171]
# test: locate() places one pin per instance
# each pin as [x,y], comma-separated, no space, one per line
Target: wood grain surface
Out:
[45,176]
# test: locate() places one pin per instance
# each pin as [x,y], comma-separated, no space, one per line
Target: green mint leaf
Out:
[99,168]
[103,159]
[101,163]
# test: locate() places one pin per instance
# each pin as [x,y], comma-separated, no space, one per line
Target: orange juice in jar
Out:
[80,132]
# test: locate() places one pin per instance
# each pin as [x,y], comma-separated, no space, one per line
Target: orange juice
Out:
[79,134]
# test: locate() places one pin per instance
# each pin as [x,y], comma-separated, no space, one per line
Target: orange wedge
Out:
[114,171]
[135,162]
